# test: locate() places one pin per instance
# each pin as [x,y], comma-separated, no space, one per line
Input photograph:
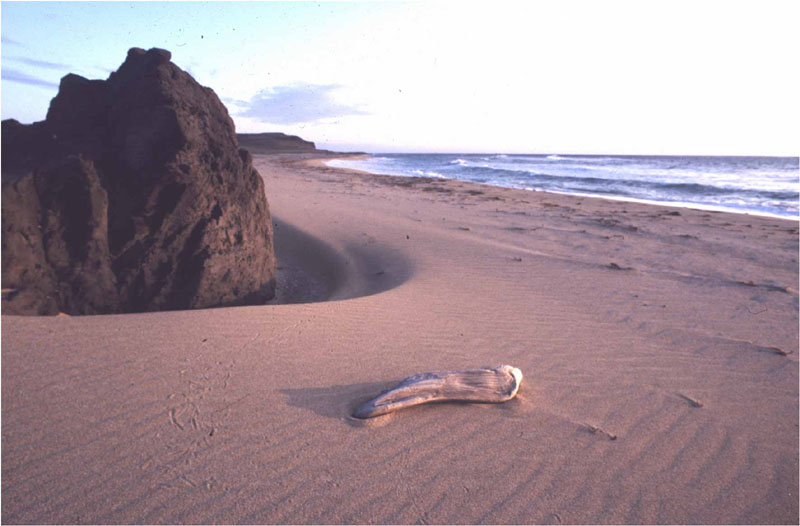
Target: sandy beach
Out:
[659,347]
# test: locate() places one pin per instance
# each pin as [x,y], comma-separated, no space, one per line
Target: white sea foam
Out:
[428,173]
[361,165]
[678,204]
[473,164]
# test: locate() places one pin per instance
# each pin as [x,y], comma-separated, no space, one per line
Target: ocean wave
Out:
[748,185]
[584,158]
[472,164]
[779,212]
[620,185]
[727,180]
[428,173]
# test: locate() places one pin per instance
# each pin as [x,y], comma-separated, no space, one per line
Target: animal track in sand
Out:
[615,266]
[692,401]
[594,430]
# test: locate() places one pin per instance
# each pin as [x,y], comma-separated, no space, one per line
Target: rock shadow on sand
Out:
[311,270]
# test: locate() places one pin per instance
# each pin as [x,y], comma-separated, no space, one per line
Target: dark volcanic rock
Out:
[274,143]
[132,196]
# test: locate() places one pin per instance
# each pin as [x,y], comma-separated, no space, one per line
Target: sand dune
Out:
[659,348]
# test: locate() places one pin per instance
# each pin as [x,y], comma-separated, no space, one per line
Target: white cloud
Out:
[46,64]
[20,77]
[294,104]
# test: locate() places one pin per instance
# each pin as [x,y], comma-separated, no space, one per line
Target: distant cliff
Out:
[274,143]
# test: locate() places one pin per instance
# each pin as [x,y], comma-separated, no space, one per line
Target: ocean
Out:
[754,185]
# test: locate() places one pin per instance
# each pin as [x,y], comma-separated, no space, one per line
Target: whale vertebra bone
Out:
[473,385]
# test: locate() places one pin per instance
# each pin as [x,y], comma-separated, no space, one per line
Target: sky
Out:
[619,77]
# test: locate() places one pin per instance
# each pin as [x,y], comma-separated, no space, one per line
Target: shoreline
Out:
[674,204]
[673,330]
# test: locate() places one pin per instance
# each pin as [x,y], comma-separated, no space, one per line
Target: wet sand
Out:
[659,348]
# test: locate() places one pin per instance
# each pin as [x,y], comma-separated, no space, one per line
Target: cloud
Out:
[9,41]
[13,75]
[296,104]
[41,63]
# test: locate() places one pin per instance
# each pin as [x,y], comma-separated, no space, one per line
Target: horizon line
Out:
[396,152]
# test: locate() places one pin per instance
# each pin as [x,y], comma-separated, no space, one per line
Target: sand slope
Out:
[675,332]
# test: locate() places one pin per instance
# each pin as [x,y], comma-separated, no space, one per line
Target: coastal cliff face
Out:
[132,196]
[274,143]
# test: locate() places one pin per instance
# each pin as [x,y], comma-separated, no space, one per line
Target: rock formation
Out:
[132,196]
